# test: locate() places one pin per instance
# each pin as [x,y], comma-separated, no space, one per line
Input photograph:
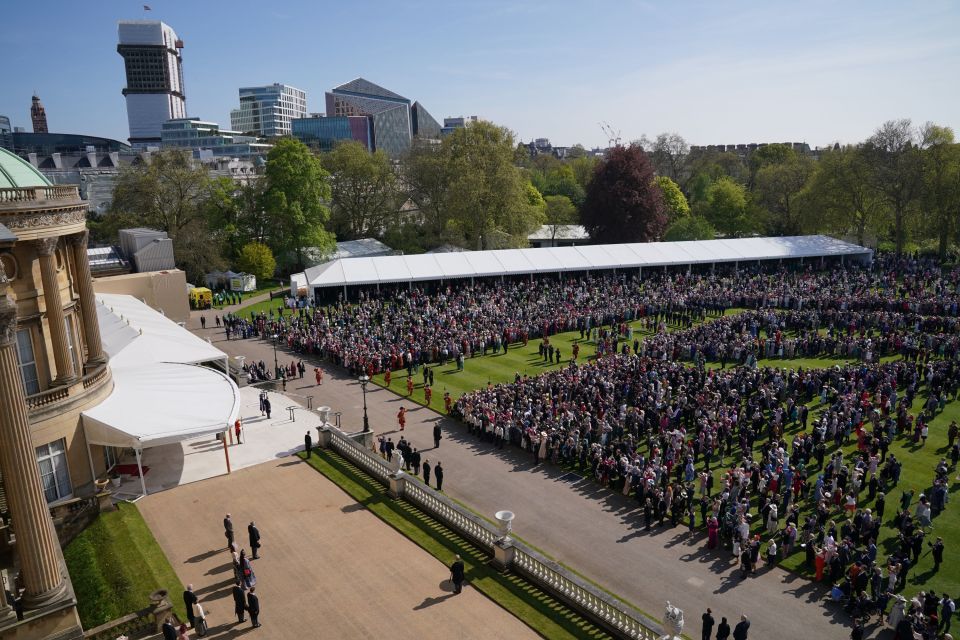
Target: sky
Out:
[714,72]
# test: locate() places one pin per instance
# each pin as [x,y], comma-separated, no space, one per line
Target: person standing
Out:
[254,534]
[426,472]
[723,629]
[239,601]
[253,606]
[307,443]
[438,472]
[267,406]
[740,631]
[456,574]
[402,418]
[236,430]
[937,550]
[190,599]
[228,530]
[169,631]
[200,618]
[436,435]
[246,571]
[415,461]
[707,624]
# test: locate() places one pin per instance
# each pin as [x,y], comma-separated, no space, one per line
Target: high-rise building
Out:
[154,69]
[267,111]
[460,122]
[392,128]
[324,133]
[424,124]
[39,116]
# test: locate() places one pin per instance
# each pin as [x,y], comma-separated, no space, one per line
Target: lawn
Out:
[115,564]
[918,462]
[538,610]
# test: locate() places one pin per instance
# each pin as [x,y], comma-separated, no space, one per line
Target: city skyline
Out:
[716,75]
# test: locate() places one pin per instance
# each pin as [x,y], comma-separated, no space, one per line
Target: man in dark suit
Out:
[228,530]
[436,435]
[253,606]
[707,624]
[456,574]
[723,629]
[239,601]
[190,599]
[438,472]
[415,461]
[307,443]
[254,534]
[169,631]
[426,472]
[740,631]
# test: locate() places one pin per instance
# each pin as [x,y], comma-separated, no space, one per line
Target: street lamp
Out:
[364,379]
[276,365]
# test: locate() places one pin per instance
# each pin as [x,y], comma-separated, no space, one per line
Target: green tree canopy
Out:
[295,195]
[256,258]
[560,212]
[170,193]
[896,172]
[364,188]
[673,197]
[690,228]
[726,208]
[941,182]
[623,203]
[778,185]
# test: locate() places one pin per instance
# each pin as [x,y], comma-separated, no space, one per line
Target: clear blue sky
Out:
[715,72]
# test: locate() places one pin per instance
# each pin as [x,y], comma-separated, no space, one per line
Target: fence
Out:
[617,617]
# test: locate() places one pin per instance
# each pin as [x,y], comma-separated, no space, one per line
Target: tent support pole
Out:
[143,483]
[226,453]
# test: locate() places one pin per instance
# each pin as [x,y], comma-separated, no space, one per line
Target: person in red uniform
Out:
[402,418]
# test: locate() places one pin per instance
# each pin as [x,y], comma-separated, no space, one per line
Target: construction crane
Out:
[613,137]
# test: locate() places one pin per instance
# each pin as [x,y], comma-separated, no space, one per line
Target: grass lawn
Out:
[538,610]
[115,564]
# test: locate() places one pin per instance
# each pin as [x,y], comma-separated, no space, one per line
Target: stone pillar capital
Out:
[78,239]
[8,320]
[47,246]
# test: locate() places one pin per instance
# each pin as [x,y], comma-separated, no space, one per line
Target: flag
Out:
[146,7]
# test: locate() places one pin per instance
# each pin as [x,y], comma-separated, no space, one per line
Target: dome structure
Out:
[16,172]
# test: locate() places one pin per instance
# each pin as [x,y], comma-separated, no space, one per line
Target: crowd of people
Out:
[769,461]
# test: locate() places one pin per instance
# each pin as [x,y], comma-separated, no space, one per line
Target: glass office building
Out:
[206,140]
[269,110]
[324,133]
[389,113]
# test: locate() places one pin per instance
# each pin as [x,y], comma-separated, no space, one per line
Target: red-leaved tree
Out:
[623,203]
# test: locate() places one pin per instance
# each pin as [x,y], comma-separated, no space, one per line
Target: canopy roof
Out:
[159,394]
[437,266]
[133,333]
[161,404]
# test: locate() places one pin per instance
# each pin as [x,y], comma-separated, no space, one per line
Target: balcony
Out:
[56,400]
[38,194]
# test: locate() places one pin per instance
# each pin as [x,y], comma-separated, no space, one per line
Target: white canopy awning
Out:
[160,404]
[448,266]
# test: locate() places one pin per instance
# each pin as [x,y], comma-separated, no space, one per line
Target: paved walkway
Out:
[584,526]
[329,568]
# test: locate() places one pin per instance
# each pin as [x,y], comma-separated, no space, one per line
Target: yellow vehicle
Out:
[201,298]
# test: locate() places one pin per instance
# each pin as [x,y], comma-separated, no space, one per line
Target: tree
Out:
[778,185]
[673,198]
[896,171]
[295,193]
[941,179]
[560,212]
[169,193]
[669,154]
[839,196]
[623,203]
[256,258]
[364,189]
[560,180]
[426,175]
[726,208]
[690,228]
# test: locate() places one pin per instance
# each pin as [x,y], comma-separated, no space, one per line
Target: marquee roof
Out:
[159,394]
[437,266]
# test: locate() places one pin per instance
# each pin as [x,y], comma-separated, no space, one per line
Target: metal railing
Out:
[617,616]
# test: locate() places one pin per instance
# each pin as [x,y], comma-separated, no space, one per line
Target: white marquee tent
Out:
[160,394]
[503,262]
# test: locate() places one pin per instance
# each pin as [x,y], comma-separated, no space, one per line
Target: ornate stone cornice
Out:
[8,318]
[47,246]
[78,239]
[44,219]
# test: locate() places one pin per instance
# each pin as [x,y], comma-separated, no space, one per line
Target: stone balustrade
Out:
[61,397]
[36,194]
[616,616]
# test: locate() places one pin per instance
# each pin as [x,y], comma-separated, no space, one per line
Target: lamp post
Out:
[364,379]
[276,364]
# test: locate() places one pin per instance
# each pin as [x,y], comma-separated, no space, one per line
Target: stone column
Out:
[37,545]
[47,248]
[88,305]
